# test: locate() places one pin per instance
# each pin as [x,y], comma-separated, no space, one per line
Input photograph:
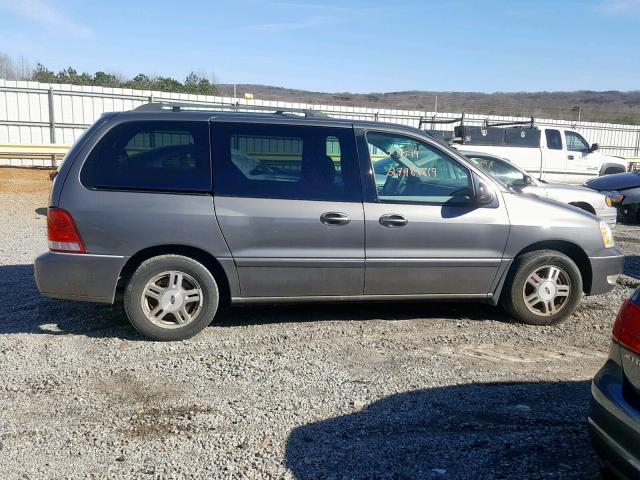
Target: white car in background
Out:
[581,197]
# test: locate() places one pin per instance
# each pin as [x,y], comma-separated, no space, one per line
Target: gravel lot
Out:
[329,391]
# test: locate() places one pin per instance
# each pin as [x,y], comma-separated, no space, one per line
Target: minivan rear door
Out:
[424,235]
[289,203]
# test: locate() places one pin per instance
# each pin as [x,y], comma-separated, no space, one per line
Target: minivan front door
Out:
[289,203]
[424,235]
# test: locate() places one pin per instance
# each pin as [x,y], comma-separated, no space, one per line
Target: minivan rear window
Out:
[151,156]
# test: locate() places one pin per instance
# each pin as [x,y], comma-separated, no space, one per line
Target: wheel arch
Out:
[611,168]
[584,206]
[571,250]
[209,261]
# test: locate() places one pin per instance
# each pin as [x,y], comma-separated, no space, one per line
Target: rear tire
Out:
[543,287]
[171,297]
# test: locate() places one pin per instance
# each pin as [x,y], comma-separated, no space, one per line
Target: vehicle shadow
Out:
[359,311]
[30,312]
[480,431]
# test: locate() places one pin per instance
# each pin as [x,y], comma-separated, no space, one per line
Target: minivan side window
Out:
[285,162]
[151,156]
[554,139]
[409,170]
[575,142]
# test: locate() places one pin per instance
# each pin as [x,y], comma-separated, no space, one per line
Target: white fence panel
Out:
[25,114]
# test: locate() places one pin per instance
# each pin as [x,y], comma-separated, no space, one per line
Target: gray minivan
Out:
[178,211]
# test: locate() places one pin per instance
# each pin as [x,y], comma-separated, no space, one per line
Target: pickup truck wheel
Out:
[543,287]
[171,297]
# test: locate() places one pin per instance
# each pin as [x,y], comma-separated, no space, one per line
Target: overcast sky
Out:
[357,46]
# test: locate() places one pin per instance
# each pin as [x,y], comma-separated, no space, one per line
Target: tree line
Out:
[19,69]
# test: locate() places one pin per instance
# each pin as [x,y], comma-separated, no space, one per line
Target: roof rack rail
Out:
[216,107]
[307,112]
[434,120]
[531,123]
[486,123]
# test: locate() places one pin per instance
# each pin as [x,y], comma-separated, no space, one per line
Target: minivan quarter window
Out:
[410,170]
[151,156]
[285,162]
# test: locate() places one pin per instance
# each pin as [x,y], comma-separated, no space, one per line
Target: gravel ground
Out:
[330,391]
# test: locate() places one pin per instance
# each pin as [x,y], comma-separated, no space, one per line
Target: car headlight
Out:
[613,198]
[607,236]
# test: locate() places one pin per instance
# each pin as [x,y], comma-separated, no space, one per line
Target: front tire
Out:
[171,297]
[543,287]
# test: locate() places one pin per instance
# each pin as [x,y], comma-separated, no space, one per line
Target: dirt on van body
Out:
[380,390]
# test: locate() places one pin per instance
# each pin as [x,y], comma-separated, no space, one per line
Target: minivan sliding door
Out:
[289,203]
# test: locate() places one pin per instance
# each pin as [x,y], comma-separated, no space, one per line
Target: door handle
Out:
[570,157]
[393,220]
[335,218]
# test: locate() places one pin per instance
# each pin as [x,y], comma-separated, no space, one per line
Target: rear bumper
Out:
[614,425]
[70,276]
[605,269]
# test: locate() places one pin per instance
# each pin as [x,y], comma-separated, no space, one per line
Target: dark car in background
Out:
[624,190]
[615,414]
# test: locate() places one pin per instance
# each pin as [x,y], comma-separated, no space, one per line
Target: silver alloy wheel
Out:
[172,299]
[547,290]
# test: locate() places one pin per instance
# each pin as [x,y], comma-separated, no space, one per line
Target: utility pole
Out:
[235,93]
[436,108]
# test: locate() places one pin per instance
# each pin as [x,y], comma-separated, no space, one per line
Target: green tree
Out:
[195,83]
[103,79]
[167,84]
[139,82]
[68,75]
[43,74]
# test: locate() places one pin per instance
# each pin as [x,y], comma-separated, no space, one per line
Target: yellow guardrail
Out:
[12,148]
[24,155]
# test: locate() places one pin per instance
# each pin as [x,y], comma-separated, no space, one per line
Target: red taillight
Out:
[626,328]
[62,233]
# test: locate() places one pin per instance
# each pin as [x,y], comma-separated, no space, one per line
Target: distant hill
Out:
[609,106]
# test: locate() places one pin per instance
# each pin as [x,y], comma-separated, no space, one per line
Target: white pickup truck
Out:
[549,153]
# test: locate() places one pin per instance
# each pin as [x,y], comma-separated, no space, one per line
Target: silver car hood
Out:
[568,193]
[564,186]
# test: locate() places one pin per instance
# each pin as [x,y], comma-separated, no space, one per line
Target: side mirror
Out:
[594,147]
[484,196]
